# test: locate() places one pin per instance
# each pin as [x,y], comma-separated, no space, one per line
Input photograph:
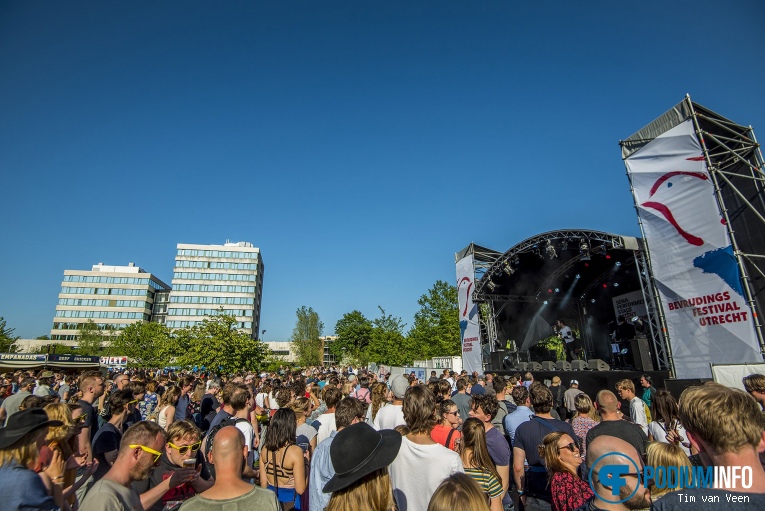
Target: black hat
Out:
[359,450]
[22,423]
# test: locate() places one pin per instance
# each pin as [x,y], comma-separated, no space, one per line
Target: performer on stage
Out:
[572,344]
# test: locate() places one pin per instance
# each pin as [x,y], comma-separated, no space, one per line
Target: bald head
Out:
[609,450]
[228,446]
[607,402]
[605,444]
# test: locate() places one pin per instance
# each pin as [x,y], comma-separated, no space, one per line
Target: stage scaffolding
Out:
[735,164]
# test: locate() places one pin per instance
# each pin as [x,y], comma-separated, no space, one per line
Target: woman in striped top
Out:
[478,463]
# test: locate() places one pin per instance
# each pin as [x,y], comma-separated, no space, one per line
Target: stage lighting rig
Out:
[600,249]
[584,249]
[491,285]
[550,249]
[564,245]
[507,269]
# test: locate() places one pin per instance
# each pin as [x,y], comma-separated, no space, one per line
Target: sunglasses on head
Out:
[183,449]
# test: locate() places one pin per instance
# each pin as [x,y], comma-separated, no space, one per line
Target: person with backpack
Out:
[234,412]
[363,393]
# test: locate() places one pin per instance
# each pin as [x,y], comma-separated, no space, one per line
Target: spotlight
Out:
[550,249]
[491,285]
[583,246]
[508,269]
[605,286]
[616,284]
[592,301]
[517,261]
[584,249]
[545,302]
[600,249]
[549,290]
[557,290]
[618,263]
[564,245]
[577,276]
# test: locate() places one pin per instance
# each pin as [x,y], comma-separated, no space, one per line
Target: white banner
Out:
[470,332]
[708,319]
[629,305]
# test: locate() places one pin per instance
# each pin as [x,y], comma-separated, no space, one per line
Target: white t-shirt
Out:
[565,332]
[657,431]
[418,470]
[388,417]
[327,421]
[248,431]
[637,413]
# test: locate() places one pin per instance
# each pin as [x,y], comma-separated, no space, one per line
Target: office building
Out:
[113,297]
[207,278]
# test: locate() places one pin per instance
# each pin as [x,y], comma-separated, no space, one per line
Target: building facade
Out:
[113,297]
[214,279]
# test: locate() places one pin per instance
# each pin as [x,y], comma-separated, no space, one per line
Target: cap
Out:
[398,385]
[574,382]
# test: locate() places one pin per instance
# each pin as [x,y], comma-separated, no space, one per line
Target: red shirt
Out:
[440,433]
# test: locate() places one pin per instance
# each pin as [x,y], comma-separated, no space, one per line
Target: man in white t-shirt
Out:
[391,415]
[325,423]
[421,463]
[626,391]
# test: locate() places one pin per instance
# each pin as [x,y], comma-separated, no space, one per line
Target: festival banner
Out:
[695,270]
[629,305]
[470,332]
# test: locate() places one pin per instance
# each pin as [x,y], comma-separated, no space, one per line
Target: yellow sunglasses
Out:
[147,449]
[183,449]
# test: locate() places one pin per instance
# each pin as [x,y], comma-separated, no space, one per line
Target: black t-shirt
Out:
[90,418]
[528,437]
[207,408]
[164,471]
[107,440]
[627,431]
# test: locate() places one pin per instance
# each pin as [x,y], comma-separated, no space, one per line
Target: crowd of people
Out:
[340,439]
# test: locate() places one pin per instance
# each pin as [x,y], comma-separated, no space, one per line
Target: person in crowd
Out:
[484,409]
[646,382]
[229,491]
[325,423]
[478,463]
[306,435]
[166,407]
[360,457]
[139,453]
[150,400]
[195,402]
[458,491]
[665,412]
[379,399]
[528,379]
[505,406]
[349,411]
[314,394]
[610,450]
[462,398]
[62,439]
[44,384]
[282,464]
[727,427]
[569,396]
[138,389]
[585,419]
[612,424]
[106,444]
[446,431]
[234,399]
[210,406]
[91,385]
[64,389]
[20,440]
[12,403]
[754,384]
[626,390]
[562,458]
[363,393]
[183,407]
[182,451]
[532,481]
[662,454]
[522,411]
[421,463]
[558,390]
[392,415]
[32,402]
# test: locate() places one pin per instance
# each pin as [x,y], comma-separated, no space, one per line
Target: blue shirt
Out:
[181,409]
[515,419]
[321,472]
[34,494]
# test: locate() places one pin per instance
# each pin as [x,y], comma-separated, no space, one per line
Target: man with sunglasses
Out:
[139,453]
[184,440]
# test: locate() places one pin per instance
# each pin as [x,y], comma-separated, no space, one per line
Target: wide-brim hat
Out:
[359,450]
[22,423]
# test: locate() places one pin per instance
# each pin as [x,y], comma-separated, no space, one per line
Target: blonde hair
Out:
[625,385]
[727,419]
[301,406]
[458,491]
[661,454]
[23,451]
[372,492]
[584,406]
[181,429]
[59,412]
[549,451]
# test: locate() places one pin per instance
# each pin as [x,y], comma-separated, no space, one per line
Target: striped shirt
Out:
[486,480]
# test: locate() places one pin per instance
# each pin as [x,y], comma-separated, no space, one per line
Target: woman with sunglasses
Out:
[478,464]
[181,451]
[445,432]
[562,458]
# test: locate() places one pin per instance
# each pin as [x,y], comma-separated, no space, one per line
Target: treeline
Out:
[384,339]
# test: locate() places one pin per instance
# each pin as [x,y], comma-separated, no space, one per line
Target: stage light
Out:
[592,301]
[586,265]
[605,286]
[491,285]
[549,290]
[616,284]
[550,250]
[583,246]
[557,290]
[564,245]
[577,276]
[600,249]
[618,263]
[608,256]
[545,302]
[507,269]
[517,261]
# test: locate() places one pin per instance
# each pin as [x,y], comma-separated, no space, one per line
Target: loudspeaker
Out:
[548,365]
[641,354]
[521,366]
[534,366]
[578,365]
[595,364]
[496,360]
[562,365]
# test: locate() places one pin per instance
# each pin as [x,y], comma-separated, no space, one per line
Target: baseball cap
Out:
[574,382]
[398,385]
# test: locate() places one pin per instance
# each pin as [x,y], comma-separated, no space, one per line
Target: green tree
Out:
[7,339]
[43,338]
[354,332]
[216,344]
[91,339]
[436,330]
[388,344]
[308,348]
[145,344]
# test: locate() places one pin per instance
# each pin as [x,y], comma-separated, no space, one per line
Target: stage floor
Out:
[592,382]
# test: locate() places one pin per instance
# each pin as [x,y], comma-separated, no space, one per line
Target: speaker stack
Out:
[596,364]
[548,365]
[562,365]
[578,365]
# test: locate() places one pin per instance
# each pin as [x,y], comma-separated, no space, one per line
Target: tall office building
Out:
[208,277]
[113,297]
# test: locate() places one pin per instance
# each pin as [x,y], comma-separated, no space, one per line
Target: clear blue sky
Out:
[358,144]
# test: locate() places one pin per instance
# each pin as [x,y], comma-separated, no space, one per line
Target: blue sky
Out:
[358,144]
